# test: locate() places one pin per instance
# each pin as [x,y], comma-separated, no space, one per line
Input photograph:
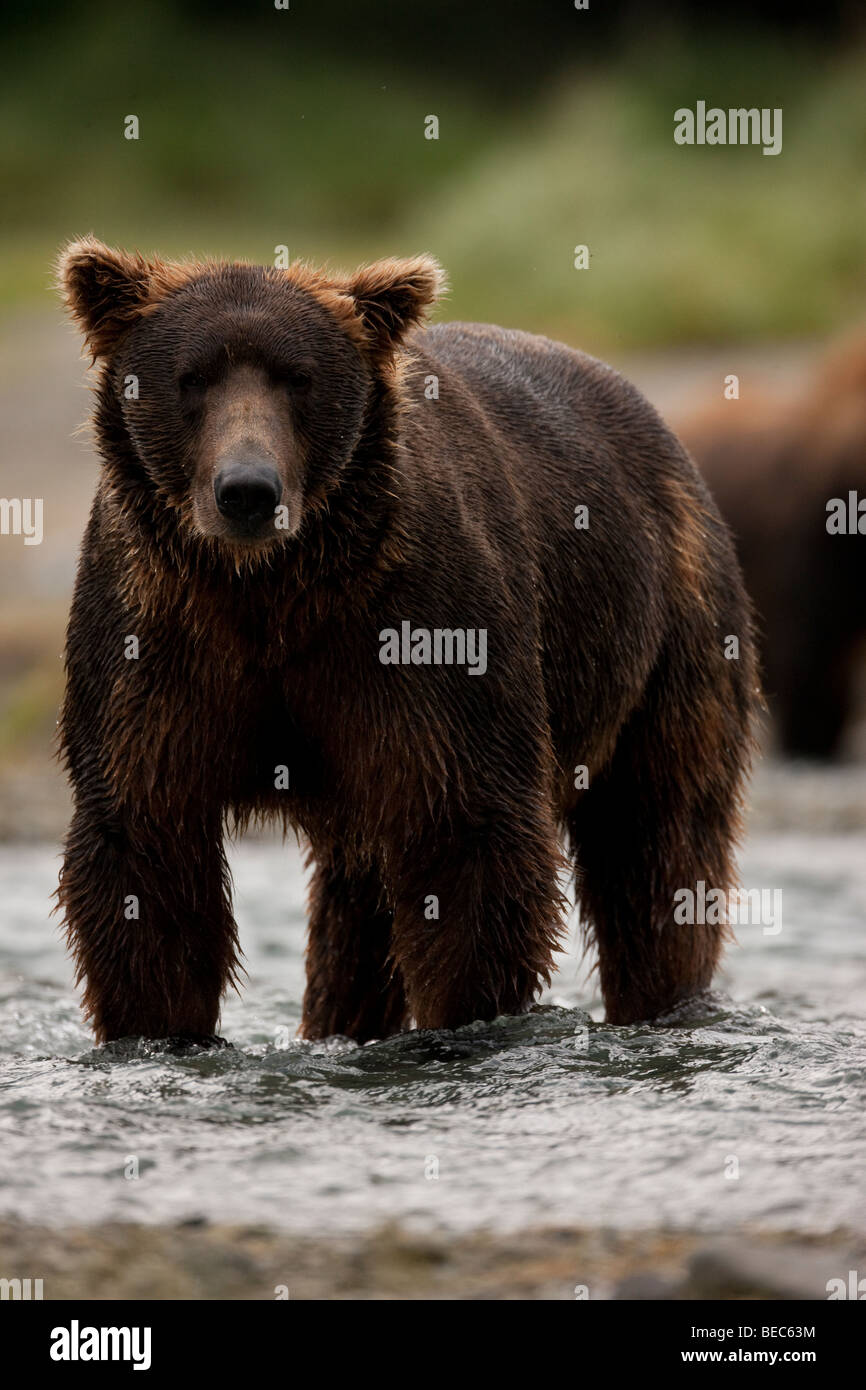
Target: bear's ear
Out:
[391,296]
[104,290]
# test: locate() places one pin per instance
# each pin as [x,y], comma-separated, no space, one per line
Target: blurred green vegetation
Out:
[261,134]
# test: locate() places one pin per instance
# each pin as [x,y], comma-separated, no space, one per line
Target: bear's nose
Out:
[247,492]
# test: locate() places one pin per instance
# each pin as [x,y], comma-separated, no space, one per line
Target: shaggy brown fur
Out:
[259,648]
[772,468]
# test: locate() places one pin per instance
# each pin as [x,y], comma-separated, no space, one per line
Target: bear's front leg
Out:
[478,917]
[149,921]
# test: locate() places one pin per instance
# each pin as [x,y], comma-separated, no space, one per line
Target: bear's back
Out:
[521,374]
[551,402]
[564,426]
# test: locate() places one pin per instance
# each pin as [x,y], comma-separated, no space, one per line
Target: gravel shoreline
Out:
[198,1261]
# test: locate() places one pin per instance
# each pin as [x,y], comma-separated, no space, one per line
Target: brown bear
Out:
[430,596]
[776,469]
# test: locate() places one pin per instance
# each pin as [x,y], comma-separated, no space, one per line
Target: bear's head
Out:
[241,391]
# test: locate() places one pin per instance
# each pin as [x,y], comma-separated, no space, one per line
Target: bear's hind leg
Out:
[353,986]
[664,816]
[478,917]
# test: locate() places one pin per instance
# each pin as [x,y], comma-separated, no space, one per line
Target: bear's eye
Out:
[192,383]
[294,378]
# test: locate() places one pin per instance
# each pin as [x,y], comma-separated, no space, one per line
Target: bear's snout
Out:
[247,493]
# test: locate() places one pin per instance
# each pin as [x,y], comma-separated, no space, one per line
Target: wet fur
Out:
[605,648]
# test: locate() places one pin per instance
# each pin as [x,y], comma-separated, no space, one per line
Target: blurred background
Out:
[305,127]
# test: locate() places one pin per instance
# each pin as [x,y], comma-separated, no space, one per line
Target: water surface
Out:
[754,1111]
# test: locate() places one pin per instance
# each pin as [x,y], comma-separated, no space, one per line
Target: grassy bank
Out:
[248,142]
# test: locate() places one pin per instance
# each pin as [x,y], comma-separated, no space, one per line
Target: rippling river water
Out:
[753,1112]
